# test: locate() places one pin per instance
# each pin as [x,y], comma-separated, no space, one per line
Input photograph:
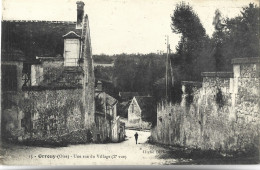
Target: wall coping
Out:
[43,88]
[49,58]
[245,60]
[66,22]
[218,74]
[193,83]
[11,62]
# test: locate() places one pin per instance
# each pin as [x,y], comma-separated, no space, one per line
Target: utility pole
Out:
[166,63]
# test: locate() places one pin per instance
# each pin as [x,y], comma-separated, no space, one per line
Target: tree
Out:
[186,22]
[244,31]
[237,38]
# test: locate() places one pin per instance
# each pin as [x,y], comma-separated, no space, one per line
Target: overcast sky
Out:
[117,26]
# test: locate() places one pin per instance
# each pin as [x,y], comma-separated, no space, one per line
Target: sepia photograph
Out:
[130,82]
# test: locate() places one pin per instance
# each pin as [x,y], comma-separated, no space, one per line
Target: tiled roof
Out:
[130,95]
[110,100]
[35,38]
[122,108]
[127,94]
[13,55]
[148,107]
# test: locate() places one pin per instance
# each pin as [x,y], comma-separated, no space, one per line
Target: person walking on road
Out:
[136,137]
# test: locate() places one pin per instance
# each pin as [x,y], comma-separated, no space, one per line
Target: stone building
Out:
[47,81]
[141,112]
[109,126]
[125,99]
[221,113]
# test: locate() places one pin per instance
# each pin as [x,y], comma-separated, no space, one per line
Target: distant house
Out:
[125,100]
[141,112]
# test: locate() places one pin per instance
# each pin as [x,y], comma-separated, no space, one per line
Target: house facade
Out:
[47,81]
[141,112]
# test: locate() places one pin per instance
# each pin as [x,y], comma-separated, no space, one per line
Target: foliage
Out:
[220,98]
[132,72]
[193,40]
[233,38]
[103,73]
[186,22]
[102,58]
[195,53]
[137,73]
[238,38]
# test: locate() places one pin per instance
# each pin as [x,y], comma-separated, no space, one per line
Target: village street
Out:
[124,153]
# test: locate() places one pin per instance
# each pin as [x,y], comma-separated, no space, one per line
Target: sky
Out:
[123,26]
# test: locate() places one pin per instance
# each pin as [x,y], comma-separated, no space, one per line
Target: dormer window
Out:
[71,49]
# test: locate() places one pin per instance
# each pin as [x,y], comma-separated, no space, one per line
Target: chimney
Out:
[80,14]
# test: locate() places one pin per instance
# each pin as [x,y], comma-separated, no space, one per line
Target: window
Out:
[71,52]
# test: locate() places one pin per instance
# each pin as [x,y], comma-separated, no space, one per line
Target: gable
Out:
[135,103]
[71,35]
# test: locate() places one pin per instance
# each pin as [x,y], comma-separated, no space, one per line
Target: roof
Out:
[35,38]
[130,95]
[122,108]
[147,106]
[110,100]
[13,55]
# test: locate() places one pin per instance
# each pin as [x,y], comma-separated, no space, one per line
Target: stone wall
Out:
[44,115]
[222,115]
[103,128]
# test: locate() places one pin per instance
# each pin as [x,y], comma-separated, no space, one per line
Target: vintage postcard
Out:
[130,82]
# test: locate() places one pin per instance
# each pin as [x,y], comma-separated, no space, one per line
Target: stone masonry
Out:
[220,114]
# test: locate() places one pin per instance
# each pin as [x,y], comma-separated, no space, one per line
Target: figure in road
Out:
[136,137]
